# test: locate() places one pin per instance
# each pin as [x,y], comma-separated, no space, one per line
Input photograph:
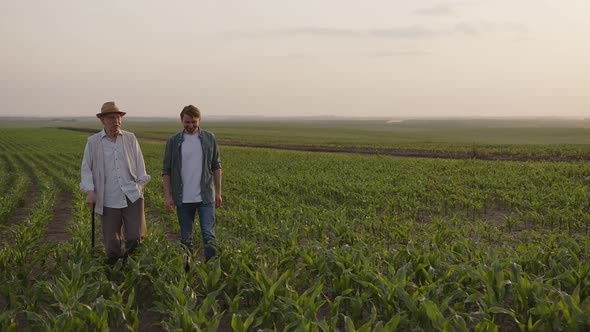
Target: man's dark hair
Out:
[191,111]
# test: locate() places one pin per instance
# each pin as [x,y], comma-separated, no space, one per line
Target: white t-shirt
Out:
[192,168]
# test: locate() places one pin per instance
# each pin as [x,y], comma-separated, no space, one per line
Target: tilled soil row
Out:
[57,230]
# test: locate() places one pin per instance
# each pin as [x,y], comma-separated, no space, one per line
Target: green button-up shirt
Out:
[173,163]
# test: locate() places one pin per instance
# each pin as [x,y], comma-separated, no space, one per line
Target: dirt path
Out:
[411,153]
[57,230]
[149,320]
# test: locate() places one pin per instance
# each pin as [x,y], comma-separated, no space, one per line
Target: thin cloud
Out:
[468,28]
[441,9]
[318,31]
[376,54]
[389,54]
[295,32]
[403,32]
[296,56]
[516,27]
[411,32]
[408,32]
[481,27]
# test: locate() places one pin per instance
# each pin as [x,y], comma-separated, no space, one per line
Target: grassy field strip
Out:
[416,189]
[70,164]
[154,199]
[490,140]
[330,242]
[428,140]
[466,188]
[5,178]
[66,175]
[22,255]
[118,306]
[14,195]
[68,289]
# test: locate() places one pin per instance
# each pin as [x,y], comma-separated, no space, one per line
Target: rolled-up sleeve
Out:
[86,183]
[215,159]
[142,176]
[167,162]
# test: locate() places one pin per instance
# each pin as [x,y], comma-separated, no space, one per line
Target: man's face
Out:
[190,124]
[112,122]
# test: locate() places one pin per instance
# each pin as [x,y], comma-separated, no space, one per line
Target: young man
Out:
[192,180]
[113,178]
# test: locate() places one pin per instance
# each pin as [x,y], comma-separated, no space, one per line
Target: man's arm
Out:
[87,182]
[168,199]
[166,171]
[142,177]
[217,184]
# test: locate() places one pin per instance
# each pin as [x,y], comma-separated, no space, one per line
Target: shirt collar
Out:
[199,133]
[103,133]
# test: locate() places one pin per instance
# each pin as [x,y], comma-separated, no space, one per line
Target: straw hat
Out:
[108,108]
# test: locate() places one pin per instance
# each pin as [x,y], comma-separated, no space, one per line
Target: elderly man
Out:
[113,177]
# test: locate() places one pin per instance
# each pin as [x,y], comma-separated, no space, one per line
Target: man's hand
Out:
[169,204]
[217,201]
[90,199]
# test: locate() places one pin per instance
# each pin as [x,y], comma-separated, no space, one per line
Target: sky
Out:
[246,58]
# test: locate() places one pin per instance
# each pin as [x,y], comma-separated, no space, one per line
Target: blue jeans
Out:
[186,218]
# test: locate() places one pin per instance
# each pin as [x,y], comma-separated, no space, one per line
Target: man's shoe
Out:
[111,260]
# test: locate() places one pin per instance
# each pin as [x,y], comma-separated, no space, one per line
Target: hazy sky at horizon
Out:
[278,58]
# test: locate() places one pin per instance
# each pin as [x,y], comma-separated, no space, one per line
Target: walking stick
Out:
[92,225]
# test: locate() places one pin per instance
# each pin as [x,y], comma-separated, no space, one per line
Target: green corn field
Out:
[310,241]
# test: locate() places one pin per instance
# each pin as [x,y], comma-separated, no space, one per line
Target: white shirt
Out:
[94,165]
[191,168]
[117,176]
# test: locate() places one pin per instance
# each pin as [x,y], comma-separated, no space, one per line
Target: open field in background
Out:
[310,241]
[487,139]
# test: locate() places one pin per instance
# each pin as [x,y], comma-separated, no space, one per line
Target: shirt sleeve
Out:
[142,176]
[87,183]
[166,163]
[215,159]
